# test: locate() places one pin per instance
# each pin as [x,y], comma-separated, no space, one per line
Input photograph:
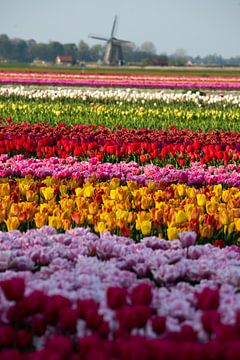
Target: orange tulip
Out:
[40,219]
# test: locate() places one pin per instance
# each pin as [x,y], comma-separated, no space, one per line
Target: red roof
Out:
[65,58]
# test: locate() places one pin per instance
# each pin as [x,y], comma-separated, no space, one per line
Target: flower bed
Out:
[179,147]
[103,257]
[197,174]
[123,198]
[145,81]
[76,293]
[120,108]
[121,94]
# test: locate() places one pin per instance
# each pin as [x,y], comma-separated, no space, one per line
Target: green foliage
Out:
[152,115]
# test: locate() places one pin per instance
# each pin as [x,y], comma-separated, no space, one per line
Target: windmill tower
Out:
[113,52]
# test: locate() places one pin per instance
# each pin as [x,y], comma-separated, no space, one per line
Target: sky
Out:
[199,27]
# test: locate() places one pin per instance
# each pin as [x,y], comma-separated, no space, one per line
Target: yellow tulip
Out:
[159,204]
[14,209]
[191,192]
[231,227]
[201,199]
[226,194]
[123,205]
[63,189]
[122,193]
[23,188]
[101,227]
[206,231]
[143,215]
[237,224]
[54,221]
[110,218]
[217,189]
[188,208]
[49,180]
[236,193]
[66,203]
[146,227]
[113,194]
[180,217]
[131,217]
[146,202]
[138,224]
[4,189]
[181,189]
[107,204]
[88,191]
[44,208]
[172,233]
[159,196]
[114,183]
[47,193]
[81,203]
[12,223]
[132,185]
[151,185]
[79,192]
[223,218]
[211,207]
[121,215]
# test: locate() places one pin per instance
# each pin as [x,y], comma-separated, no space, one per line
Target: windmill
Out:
[113,54]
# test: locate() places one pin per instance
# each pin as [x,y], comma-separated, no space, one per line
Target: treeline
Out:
[19,50]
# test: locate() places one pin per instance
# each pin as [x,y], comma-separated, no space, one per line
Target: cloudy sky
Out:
[200,27]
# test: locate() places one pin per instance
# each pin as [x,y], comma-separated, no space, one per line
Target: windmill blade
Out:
[114,26]
[122,42]
[93,36]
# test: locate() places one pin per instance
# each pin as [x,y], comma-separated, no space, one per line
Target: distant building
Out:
[64,60]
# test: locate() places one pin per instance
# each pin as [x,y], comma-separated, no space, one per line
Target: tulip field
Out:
[119,216]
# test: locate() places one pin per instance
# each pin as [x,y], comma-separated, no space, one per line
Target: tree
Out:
[213,59]
[96,52]
[42,52]
[148,47]
[179,58]
[54,49]
[19,50]
[233,61]
[32,49]
[71,49]
[84,53]
[5,47]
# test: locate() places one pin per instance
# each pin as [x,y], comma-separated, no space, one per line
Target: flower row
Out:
[150,114]
[197,174]
[120,80]
[79,295]
[121,94]
[179,147]
[130,209]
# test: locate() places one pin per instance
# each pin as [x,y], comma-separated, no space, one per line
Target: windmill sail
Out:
[113,51]
[114,26]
